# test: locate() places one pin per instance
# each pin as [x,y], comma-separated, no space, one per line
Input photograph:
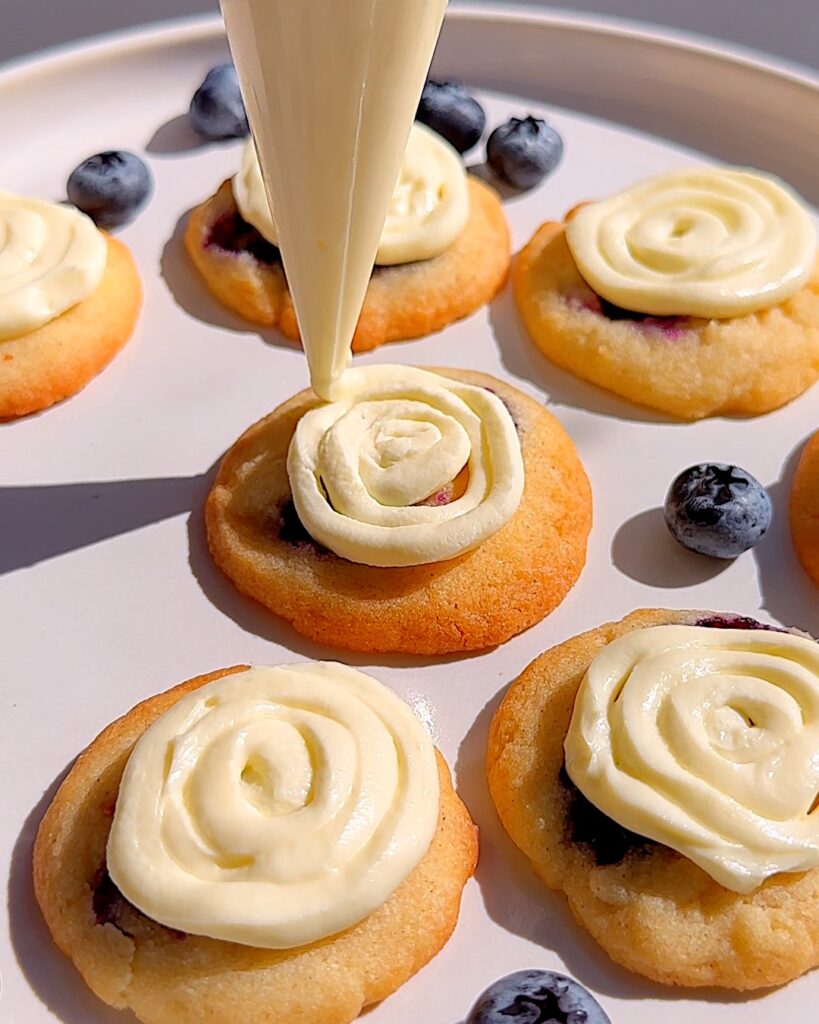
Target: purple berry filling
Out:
[231,234]
[108,902]
[588,826]
[671,327]
[292,531]
[737,622]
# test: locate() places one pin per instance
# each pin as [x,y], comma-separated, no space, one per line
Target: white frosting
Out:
[392,437]
[331,91]
[275,806]
[428,210]
[706,740]
[51,258]
[709,242]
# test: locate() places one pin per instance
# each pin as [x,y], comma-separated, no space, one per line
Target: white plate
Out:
[107,593]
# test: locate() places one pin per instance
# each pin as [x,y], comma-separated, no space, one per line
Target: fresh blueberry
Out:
[537,997]
[110,187]
[217,110]
[523,151]
[717,510]
[451,111]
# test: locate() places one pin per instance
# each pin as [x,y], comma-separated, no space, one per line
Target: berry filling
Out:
[737,622]
[232,234]
[671,327]
[108,902]
[609,842]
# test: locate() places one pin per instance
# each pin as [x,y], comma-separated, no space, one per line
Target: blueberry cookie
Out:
[339,558]
[69,300]
[804,509]
[668,732]
[427,275]
[103,814]
[663,308]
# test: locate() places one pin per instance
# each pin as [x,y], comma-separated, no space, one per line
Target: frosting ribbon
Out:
[428,210]
[706,242]
[706,740]
[275,806]
[51,258]
[360,466]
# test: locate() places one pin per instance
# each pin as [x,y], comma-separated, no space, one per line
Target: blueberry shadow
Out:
[52,976]
[173,137]
[44,521]
[788,593]
[515,899]
[522,358]
[643,550]
[254,618]
[192,295]
[506,191]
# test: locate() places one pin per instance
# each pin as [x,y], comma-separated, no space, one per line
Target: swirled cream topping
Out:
[706,740]
[51,258]
[361,465]
[275,806]
[428,210]
[707,242]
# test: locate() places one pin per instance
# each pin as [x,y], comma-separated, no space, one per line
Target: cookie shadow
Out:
[643,550]
[485,173]
[51,976]
[255,619]
[788,593]
[49,520]
[192,295]
[521,357]
[173,137]
[518,902]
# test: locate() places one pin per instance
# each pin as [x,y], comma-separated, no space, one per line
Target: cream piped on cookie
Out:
[360,465]
[51,258]
[428,210]
[706,740]
[705,242]
[275,806]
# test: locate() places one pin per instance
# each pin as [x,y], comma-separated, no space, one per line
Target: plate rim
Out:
[120,42]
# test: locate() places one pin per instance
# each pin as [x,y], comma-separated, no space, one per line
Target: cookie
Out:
[652,910]
[804,509]
[476,600]
[411,300]
[57,360]
[169,977]
[688,367]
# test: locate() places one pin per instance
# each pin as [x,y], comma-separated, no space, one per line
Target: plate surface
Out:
[107,593]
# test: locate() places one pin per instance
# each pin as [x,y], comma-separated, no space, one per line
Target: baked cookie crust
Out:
[684,366]
[480,599]
[168,977]
[408,301]
[804,509]
[61,357]
[652,910]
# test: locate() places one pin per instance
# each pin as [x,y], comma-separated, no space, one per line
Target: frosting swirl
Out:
[51,258]
[706,740]
[395,435]
[705,242]
[275,806]
[428,210]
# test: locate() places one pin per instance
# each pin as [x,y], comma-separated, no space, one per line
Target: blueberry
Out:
[537,997]
[451,111]
[217,110]
[523,151]
[717,510]
[110,187]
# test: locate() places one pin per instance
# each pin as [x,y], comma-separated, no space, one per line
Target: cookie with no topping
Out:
[169,977]
[652,910]
[245,272]
[804,509]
